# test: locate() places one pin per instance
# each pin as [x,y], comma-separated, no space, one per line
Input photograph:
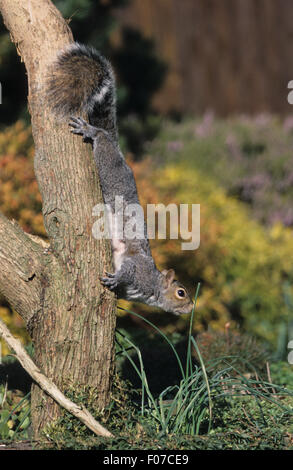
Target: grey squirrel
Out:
[81,80]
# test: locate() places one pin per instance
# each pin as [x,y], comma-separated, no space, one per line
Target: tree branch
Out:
[21,268]
[48,386]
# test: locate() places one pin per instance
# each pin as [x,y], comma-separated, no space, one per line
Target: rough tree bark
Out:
[70,317]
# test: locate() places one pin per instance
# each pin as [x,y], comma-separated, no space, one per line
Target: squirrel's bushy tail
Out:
[81,80]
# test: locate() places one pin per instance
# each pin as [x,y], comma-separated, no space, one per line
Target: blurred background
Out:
[204,119]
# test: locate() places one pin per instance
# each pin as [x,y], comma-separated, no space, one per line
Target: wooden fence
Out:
[230,56]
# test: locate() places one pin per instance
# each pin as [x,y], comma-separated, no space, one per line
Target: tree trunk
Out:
[70,317]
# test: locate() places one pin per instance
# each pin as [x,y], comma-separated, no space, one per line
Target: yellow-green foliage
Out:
[19,195]
[16,326]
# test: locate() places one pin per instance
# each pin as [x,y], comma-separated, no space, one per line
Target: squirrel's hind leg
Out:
[83,128]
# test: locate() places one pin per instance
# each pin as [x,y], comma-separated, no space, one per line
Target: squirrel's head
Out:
[174,297]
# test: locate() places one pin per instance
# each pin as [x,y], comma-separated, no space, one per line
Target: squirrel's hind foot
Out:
[86,130]
[83,128]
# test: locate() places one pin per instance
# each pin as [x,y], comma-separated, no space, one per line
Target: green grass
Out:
[213,405]
[187,408]
[14,414]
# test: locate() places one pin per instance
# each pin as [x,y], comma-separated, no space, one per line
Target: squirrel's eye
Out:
[180,293]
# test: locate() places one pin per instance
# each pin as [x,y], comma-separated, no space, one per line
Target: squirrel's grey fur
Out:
[82,81]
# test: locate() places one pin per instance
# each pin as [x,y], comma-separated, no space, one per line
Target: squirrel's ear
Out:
[169,276]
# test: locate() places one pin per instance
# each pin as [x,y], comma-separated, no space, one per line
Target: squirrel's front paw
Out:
[109,281]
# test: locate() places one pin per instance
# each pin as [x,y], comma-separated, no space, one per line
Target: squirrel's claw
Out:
[77,121]
[109,274]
